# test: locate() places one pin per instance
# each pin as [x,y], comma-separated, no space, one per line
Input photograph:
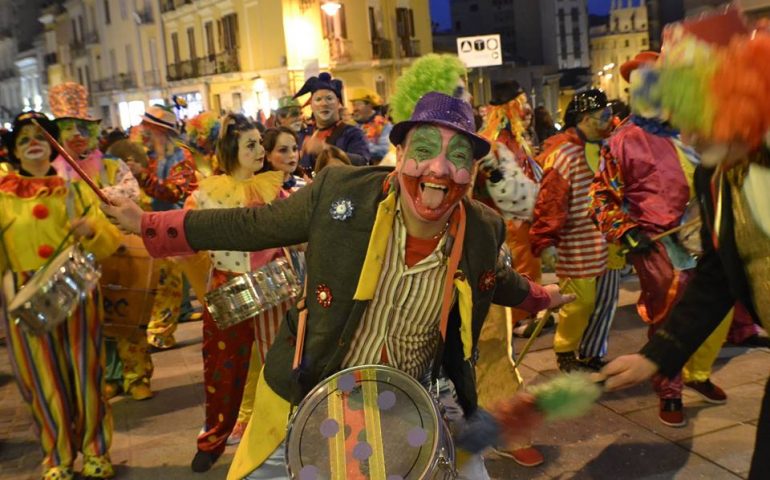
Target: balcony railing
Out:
[123,81]
[91,37]
[152,78]
[339,49]
[77,48]
[410,47]
[224,62]
[382,48]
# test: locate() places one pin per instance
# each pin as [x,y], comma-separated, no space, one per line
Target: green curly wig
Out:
[431,73]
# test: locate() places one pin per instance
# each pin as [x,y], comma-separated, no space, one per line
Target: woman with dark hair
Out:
[59,371]
[331,156]
[282,154]
[544,126]
[226,352]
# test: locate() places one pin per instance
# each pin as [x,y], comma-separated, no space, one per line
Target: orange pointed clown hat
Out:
[69,100]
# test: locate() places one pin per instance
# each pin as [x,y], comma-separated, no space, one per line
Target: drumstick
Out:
[531,340]
[668,232]
[73,164]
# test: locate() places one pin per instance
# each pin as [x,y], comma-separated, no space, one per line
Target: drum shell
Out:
[70,277]
[129,284]
[436,463]
[250,294]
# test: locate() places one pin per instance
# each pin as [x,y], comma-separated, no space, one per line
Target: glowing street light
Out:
[331,8]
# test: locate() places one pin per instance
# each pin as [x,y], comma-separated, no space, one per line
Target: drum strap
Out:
[302,321]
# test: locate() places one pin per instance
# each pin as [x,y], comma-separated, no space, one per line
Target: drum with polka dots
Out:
[369,422]
[49,297]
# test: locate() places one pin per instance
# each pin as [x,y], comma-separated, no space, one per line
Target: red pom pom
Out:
[45,251]
[40,211]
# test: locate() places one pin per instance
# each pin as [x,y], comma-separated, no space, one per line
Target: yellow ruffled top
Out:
[34,214]
[224,191]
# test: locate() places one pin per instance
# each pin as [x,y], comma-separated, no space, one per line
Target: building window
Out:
[107,18]
[191,43]
[644,42]
[175,47]
[335,26]
[74,31]
[374,34]
[129,59]
[123,12]
[474,8]
[228,32]
[628,43]
[575,14]
[210,49]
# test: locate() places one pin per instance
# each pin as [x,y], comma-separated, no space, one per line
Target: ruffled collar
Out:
[32,187]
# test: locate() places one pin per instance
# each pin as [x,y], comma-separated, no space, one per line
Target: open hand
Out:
[125,214]
[627,371]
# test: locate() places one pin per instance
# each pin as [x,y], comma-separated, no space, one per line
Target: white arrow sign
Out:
[480,51]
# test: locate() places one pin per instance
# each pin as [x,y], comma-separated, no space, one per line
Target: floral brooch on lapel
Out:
[323,295]
[487,281]
[341,209]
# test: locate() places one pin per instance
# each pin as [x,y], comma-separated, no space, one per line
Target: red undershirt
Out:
[418,249]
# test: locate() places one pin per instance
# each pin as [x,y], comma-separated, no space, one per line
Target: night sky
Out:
[439,11]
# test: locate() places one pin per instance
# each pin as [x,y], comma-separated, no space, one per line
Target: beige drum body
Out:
[374,422]
[129,282]
[253,293]
[53,292]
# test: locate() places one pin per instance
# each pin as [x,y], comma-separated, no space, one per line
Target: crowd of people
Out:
[425,232]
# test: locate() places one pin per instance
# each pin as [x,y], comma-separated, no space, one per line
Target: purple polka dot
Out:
[362,451]
[416,437]
[329,428]
[346,383]
[386,400]
[308,472]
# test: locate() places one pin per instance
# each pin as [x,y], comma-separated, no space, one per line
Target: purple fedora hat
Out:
[439,109]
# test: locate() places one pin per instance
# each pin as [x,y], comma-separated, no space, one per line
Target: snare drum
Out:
[53,292]
[369,422]
[250,294]
[129,282]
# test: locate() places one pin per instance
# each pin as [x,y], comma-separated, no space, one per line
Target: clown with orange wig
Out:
[713,84]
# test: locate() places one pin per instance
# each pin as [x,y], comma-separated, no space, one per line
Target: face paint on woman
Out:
[79,137]
[32,146]
[435,171]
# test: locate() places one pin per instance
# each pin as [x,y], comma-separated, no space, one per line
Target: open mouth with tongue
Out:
[432,197]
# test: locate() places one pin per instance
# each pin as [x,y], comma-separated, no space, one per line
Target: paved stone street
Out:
[620,439]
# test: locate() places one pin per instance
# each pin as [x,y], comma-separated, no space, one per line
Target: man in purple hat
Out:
[401,270]
[328,127]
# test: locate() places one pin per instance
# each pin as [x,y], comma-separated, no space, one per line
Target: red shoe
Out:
[526,457]
[671,413]
[708,391]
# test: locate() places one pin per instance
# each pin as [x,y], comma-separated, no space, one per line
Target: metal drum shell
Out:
[50,296]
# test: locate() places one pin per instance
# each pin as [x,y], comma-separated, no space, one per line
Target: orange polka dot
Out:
[45,251]
[221,345]
[212,438]
[40,211]
[211,389]
[221,417]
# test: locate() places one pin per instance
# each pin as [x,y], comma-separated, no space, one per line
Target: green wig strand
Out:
[431,73]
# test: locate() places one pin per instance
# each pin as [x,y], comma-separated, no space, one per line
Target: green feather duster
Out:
[431,73]
[566,396]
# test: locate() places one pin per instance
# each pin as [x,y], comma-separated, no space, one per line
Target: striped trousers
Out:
[594,341]
[60,376]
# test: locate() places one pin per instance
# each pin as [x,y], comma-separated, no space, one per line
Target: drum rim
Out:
[70,253]
[439,424]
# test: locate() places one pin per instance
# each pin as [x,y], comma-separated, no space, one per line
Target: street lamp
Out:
[331,8]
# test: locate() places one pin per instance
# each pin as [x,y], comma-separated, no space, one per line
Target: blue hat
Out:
[323,81]
[439,109]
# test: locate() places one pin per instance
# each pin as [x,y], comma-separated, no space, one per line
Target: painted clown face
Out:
[79,137]
[434,171]
[32,147]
